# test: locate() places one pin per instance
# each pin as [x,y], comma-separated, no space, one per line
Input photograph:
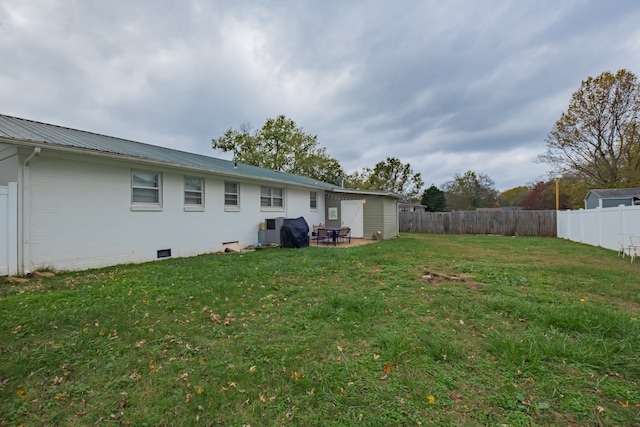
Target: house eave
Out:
[365,192]
[150,162]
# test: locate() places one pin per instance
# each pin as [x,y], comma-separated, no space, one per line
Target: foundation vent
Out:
[164,253]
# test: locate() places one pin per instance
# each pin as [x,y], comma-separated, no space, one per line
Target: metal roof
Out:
[32,133]
[29,132]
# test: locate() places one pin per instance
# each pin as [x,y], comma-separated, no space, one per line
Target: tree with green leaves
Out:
[597,139]
[572,192]
[470,191]
[280,145]
[514,196]
[390,175]
[434,199]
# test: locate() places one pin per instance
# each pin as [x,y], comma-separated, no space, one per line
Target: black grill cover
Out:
[294,233]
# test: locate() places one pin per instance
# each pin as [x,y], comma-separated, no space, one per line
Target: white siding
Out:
[9,229]
[81,215]
[297,205]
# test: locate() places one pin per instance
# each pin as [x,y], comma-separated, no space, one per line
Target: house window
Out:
[231,195]
[313,200]
[271,197]
[146,188]
[193,191]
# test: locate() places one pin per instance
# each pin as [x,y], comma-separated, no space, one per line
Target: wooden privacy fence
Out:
[507,223]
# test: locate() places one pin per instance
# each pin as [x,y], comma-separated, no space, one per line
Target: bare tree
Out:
[597,138]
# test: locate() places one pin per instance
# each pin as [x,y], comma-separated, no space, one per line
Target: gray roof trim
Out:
[366,192]
[24,132]
[232,175]
[614,193]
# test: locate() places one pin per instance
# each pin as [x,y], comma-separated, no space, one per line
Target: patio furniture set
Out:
[331,235]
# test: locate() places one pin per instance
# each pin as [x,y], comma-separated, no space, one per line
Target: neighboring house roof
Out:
[614,193]
[500,209]
[31,133]
[411,204]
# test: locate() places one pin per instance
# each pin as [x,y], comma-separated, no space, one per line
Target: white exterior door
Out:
[352,217]
[9,230]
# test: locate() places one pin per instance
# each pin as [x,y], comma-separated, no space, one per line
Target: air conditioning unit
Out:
[272,233]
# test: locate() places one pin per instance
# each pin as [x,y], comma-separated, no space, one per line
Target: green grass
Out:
[421,330]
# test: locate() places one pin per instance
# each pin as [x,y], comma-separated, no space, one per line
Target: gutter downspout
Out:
[25,198]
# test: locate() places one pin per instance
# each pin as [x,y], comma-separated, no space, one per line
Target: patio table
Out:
[333,232]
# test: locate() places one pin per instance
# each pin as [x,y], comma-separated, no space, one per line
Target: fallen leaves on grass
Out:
[228,320]
[216,318]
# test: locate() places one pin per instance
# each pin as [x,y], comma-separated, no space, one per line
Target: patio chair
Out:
[634,247]
[322,235]
[624,248]
[344,234]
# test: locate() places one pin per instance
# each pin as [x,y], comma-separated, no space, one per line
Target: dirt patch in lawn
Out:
[435,278]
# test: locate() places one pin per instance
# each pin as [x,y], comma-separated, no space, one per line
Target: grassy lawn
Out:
[421,330]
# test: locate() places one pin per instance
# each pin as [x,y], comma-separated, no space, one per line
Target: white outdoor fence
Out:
[606,227]
[9,229]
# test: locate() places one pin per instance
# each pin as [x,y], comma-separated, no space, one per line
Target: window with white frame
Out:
[146,188]
[313,200]
[193,191]
[231,195]
[271,197]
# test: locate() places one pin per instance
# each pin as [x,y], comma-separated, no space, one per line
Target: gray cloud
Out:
[446,86]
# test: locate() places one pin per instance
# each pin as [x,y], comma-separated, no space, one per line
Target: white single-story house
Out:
[72,200]
[409,206]
[612,197]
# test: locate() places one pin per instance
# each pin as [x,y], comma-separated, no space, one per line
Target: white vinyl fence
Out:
[9,229]
[606,227]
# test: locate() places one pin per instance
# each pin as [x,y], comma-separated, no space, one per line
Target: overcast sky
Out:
[447,86]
